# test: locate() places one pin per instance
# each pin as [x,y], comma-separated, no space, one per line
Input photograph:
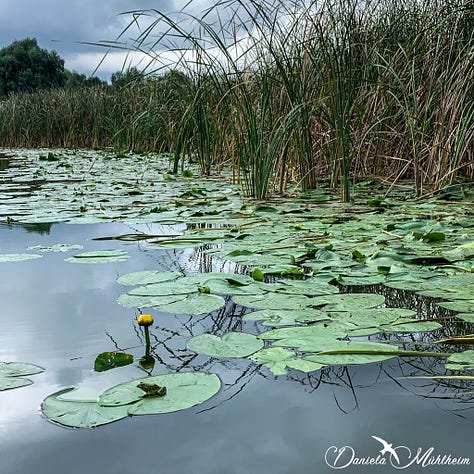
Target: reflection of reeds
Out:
[286,91]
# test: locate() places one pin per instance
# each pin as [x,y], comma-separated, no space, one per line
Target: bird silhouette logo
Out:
[387,448]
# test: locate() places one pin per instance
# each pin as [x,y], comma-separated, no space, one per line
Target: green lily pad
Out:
[14,369]
[415,326]
[277,360]
[18,257]
[273,301]
[199,303]
[362,280]
[232,344]
[371,317]
[146,277]
[100,256]
[318,331]
[166,288]
[463,306]
[111,360]
[80,414]
[286,317]
[309,287]
[7,383]
[373,354]
[55,248]
[349,301]
[81,394]
[461,361]
[183,390]
[468,317]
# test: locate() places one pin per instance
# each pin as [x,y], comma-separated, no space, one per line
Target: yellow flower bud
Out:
[145,320]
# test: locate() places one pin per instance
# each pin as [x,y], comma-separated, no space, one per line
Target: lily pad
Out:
[100,256]
[166,288]
[277,360]
[286,317]
[55,248]
[413,327]
[7,383]
[468,317]
[461,361]
[14,369]
[146,277]
[232,344]
[463,306]
[111,360]
[199,303]
[80,414]
[355,353]
[183,390]
[309,287]
[349,301]
[18,257]
[273,301]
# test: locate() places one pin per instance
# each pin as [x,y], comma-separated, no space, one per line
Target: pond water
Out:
[61,316]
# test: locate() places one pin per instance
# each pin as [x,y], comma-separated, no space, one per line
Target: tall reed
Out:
[285,90]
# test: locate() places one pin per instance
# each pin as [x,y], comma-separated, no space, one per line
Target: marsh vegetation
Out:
[283,91]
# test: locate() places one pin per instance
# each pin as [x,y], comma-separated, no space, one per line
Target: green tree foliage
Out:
[123,78]
[75,79]
[24,66]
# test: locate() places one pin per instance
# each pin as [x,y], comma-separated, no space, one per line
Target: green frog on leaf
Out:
[151,389]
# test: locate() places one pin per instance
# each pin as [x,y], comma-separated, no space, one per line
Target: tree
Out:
[75,79]
[24,66]
[131,75]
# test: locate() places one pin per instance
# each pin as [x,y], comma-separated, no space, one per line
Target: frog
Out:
[151,389]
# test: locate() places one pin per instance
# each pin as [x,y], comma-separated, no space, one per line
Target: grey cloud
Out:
[62,25]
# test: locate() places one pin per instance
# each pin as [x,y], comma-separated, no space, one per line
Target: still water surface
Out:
[61,315]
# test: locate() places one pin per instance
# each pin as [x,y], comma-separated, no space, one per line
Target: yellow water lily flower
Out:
[145,320]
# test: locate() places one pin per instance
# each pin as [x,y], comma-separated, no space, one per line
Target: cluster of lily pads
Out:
[98,256]
[12,374]
[97,186]
[81,408]
[295,257]
[310,316]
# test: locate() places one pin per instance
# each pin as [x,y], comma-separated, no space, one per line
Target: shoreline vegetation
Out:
[283,91]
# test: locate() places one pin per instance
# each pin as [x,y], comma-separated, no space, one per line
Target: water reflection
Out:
[38,228]
[258,423]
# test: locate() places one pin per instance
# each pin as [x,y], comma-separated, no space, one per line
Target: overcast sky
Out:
[61,24]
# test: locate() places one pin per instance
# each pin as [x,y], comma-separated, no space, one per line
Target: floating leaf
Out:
[415,326]
[175,287]
[371,318]
[468,317]
[111,360]
[7,383]
[14,369]
[462,306]
[355,352]
[273,301]
[100,256]
[199,303]
[18,257]
[55,248]
[80,414]
[278,359]
[348,301]
[309,287]
[146,277]
[183,390]
[461,361]
[81,394]
[286,317]
[232,344]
